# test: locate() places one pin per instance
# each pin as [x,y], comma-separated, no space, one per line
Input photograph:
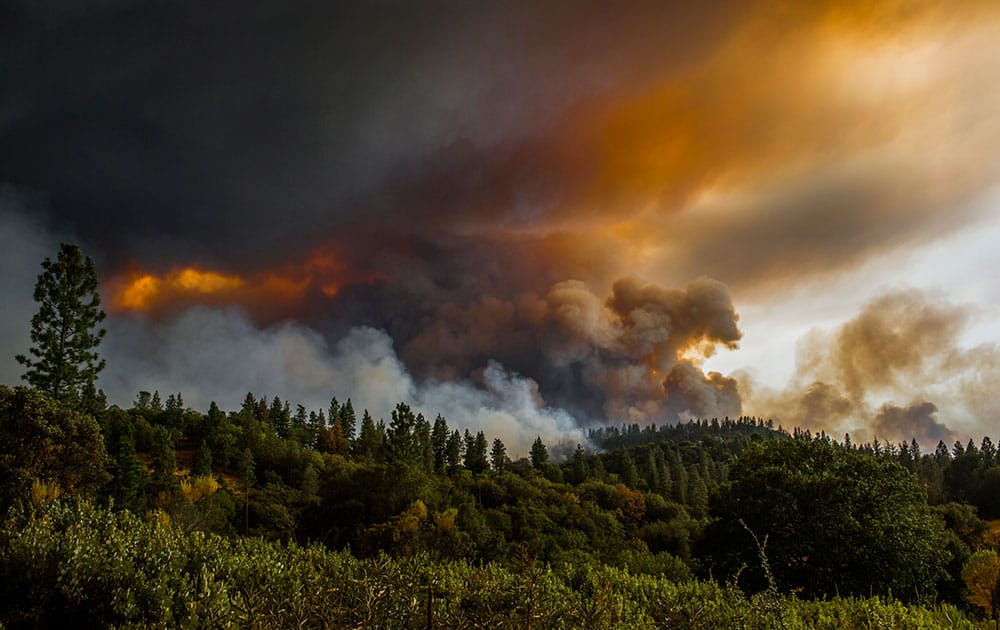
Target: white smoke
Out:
[218,354]
[508,407]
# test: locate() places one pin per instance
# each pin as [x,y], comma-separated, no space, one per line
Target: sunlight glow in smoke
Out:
[146,291]
[267,293]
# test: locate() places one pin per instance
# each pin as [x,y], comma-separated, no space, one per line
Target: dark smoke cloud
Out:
[917,420]
[624,357]
[166,128]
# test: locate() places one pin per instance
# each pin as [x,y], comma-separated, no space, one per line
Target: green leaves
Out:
[40,439]
[981,575]
[70,563]
[836,522]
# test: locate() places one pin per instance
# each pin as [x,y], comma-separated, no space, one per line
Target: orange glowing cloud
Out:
[813,139]
[267,294]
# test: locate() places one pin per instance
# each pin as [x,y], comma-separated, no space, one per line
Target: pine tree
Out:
[202,461]
[498,455]
[439,442]
[453,452]
[280,417]
[348,420]
[651,470]
[249,407]
[142,400]
[629,471]
[301,418]
[539,454]
[679,476]
[666,481]
[579,465]
[401,445]
[697,494]
[475,452]
[424,443]
[368,446]
[334,409]
[164,483]
[480,445]
[65,357]
[338,443]
[129,484]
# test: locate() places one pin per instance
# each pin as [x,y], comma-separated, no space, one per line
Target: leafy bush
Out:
[69,562]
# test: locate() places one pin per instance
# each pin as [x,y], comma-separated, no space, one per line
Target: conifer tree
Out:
[401,445]
[579,465]
[475,452]
[348,420]
[338,443]
[453,451]
[439,442]
[424,443]
[334,409]
[539,454]
[498,455]
[64,356]
[369,443]
[301,418]
[629,471]
[129,485]
[201,464]
[164,460]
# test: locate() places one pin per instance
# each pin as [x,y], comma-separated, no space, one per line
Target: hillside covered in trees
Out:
[273,514]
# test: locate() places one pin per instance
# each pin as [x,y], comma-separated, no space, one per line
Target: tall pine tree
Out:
[64,358]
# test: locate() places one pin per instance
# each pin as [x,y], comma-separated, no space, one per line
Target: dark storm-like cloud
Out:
[627,356]
[222,129]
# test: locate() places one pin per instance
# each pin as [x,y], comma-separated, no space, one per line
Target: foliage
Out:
[68,562]
[43,440]
[981,574]
[64,359]
[835,522]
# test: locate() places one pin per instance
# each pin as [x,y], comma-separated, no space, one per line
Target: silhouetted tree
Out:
[539,454]
[498,455]
[64,356]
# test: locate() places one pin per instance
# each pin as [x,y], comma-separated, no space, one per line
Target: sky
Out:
[531,217]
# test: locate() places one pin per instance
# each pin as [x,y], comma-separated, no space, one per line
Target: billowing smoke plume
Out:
[635,353]
[530,365]
[632,356]
[917,421]
[898,370]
